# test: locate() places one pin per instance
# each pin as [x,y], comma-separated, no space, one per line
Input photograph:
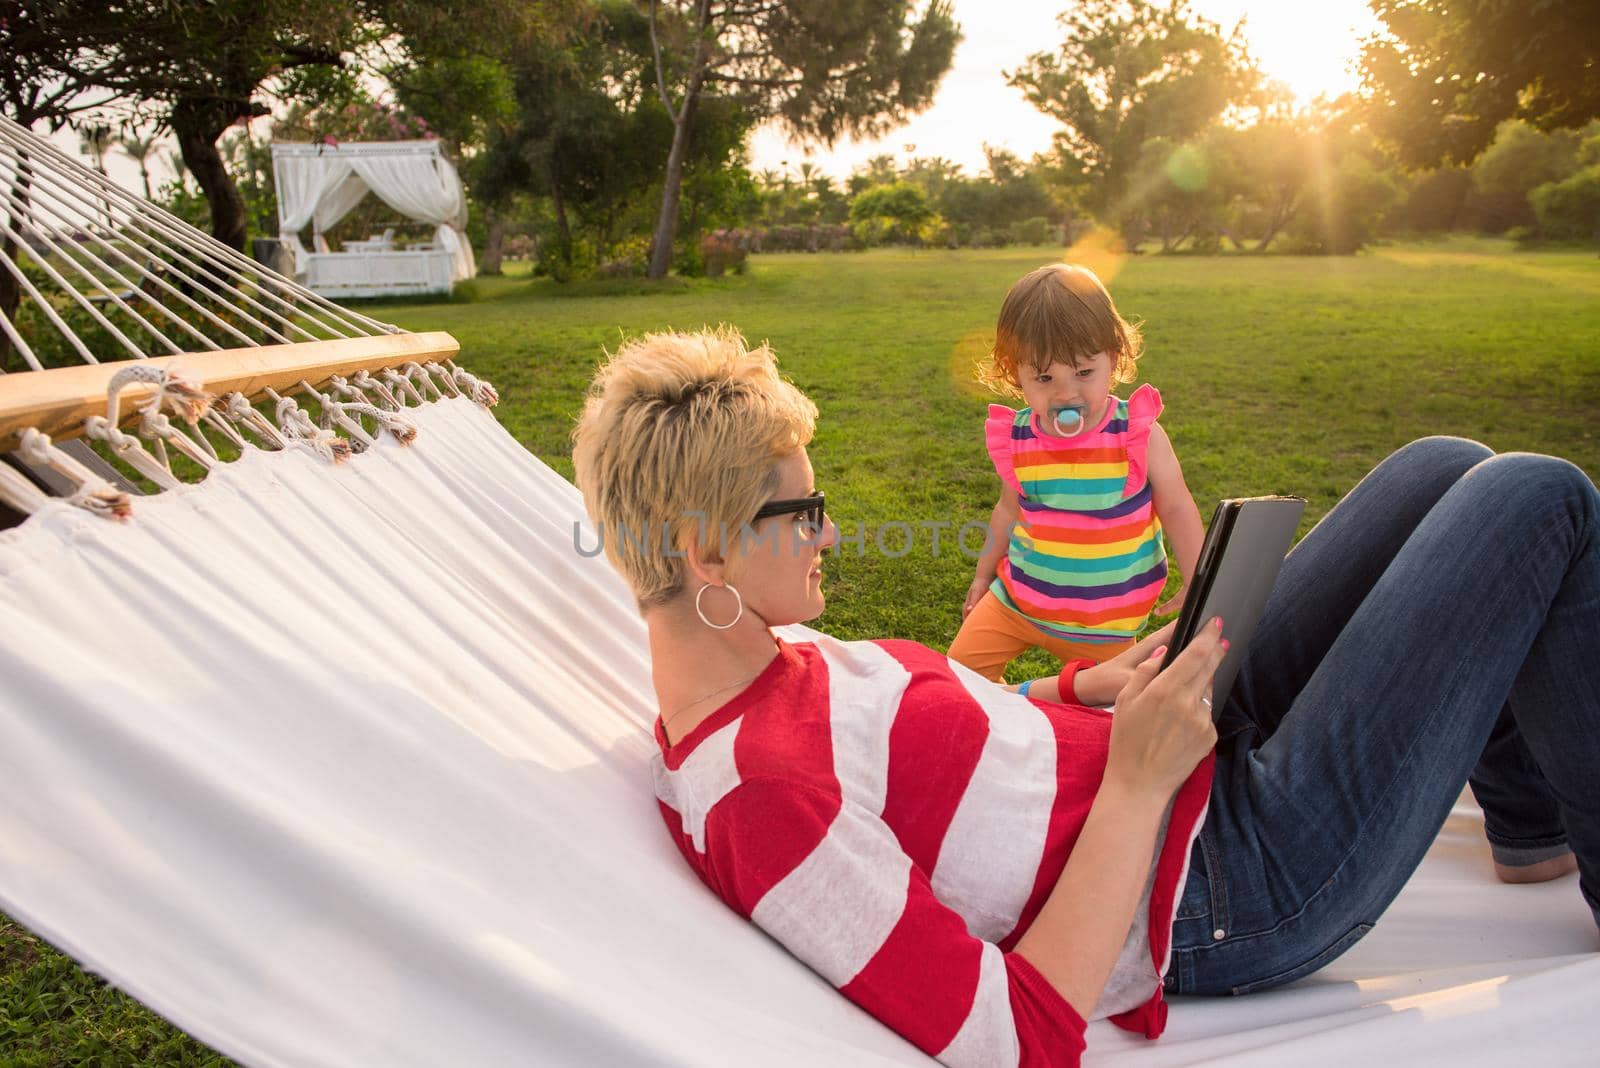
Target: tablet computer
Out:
[1240,560]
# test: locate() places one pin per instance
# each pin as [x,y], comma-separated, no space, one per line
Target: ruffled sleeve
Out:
[997,436]
[1144,408]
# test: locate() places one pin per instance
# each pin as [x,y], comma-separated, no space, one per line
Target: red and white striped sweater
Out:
[897,822]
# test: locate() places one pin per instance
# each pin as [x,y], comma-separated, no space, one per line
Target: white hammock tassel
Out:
[155,425]
[297,426]
[363,380]
[402,385]
[93,493]
[476,388]
[414,373]
[218,421]
[240,410]
[403,430]
[333,413]
[130,451]
[439,373]
[173,391]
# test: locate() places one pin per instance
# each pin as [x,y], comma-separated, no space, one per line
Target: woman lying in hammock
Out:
[984,871]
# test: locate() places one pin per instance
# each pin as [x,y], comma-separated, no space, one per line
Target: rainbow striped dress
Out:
[1087,558]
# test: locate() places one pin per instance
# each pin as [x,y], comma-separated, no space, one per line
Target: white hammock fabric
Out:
[349,766]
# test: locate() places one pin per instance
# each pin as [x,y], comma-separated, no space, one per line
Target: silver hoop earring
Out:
[702,613]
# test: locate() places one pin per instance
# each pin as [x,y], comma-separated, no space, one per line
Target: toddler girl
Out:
[1090,488]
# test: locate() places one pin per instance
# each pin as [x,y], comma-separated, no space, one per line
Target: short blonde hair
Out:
[1060,312]
[677,426]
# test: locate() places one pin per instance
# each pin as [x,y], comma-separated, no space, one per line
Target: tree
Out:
[139,149]
[894,213]
[95,141]
[1174,189]
[822,68]
[1521,158]
[209,64]
[1447,73]
[1128,71]
[1570,207]
[1274,163]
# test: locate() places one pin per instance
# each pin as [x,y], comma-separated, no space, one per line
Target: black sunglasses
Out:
[811,506]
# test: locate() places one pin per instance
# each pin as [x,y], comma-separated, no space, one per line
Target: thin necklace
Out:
[721,689]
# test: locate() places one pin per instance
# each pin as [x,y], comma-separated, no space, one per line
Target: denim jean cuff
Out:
[1529,851]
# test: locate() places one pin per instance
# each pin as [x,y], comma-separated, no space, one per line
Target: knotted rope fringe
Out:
[475,387]
[172,390]
[130,451]
[402,385]
[440,373]
[294,426]
[364,381]
[297,426]
[415,372]
[93,494]
[240,410]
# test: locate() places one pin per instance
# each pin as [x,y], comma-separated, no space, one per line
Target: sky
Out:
[1310,47]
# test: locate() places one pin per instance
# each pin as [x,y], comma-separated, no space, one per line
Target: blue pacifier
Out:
[1067,422]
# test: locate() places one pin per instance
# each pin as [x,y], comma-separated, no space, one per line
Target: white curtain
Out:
[425,188]
[350,766]
[321,189]
[343,189]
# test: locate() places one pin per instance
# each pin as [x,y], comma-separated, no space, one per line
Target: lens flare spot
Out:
[969,359]
[1102,250]
[1186,168]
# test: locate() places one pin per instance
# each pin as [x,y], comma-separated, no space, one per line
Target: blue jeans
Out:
[1441,624]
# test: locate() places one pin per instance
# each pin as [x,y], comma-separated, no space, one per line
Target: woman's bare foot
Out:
[1542,872]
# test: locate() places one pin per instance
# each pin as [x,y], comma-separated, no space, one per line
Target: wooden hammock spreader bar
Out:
[59,399]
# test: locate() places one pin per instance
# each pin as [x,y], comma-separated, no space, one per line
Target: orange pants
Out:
[993,635]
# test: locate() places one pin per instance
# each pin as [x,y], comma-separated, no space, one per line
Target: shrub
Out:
[687,261]
[720,252]
[518,247]
[630,258]
[1570,208]
[1034,231]
[551,262]
[827,237]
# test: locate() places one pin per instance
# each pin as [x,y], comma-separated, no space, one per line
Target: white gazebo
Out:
[318,184]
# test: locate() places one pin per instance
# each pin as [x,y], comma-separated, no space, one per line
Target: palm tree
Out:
[95,141]
[139,150]
[882,170]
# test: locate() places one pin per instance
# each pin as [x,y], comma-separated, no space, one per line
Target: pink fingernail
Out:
[1224,645]
[1162,651]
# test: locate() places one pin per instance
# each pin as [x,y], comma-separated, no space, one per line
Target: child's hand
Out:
[975,594]
[1173,603]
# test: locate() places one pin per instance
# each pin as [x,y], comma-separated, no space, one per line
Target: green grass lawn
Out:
[1280,374]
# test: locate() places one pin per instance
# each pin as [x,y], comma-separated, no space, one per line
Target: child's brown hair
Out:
[1060,312]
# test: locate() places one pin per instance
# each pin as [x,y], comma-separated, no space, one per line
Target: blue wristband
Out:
[1023,689]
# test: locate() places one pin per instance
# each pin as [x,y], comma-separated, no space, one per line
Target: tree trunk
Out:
[563,229]
[682,123]
[10,298]
[198,124]
[1282,213]
[18,207]
[667,221]
[493,243]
